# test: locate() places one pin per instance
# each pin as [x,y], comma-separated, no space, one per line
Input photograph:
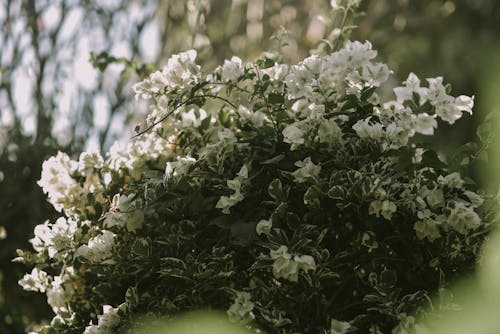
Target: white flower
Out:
[358,53]
[106,322]
[435,198]
[366,130]
[338,4]
[109,318]
[89,161]
[334,4]
[57,182]
[179,167]
[36,281]
[452,180]
[427,229]
[339,327]
[232,69]
[286,267]
[193,117]
[307,170]
[417,157]
[92,329]
[226,134]
[98,248]
[396,136]
[179,72]
[465,103]
[301,78]
[264,226]
[181,68]
[436,92]
[256,118]
[59,293]
[385,208]
[475,200]
[463,218]
[329,132]
[133,159]
[305,262]
[241,309]
[226,202]
[277,72]
[425,124]
[448,112]
[293,135]
[411,85]
[375,74]
[54,237]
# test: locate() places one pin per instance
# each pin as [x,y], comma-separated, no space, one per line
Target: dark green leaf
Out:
[275,190]
[274,98]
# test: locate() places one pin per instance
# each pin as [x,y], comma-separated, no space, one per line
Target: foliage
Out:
[292,197]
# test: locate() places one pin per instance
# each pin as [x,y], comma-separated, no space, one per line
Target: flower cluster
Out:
[296,189]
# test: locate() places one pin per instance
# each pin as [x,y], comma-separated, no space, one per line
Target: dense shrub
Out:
[295,198]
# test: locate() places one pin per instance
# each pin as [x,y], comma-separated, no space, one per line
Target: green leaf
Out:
[292,220]
[273,160]
[274,98]
[259,105]
[173,262]
[243,233]
[486,132]
[351,101]
[265,63]
[388,279]
[48,330]
[141,247]
[225,117]
[132,296]
[431,159]
[222,221]
[337,192]
[365,95]
[312,197]
[275,190]
[447,88]
[279,213]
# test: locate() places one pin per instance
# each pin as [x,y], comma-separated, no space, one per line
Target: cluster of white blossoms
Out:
[78,188]
[241,310]
[106,323]
[98,248]
[287,266]
[59,289]
[308,133]
[133,159]
[440,208]
[54,237]
[226,202]
[63,191]
[346,71]
[179,72]
[307,170]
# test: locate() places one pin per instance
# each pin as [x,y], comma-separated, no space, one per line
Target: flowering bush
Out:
[294,197]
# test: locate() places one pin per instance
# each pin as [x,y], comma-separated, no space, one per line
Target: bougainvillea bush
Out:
[295,198]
